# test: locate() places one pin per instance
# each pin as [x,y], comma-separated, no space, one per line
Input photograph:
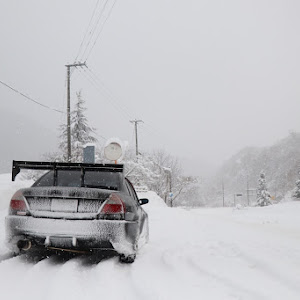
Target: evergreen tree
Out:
[63,144]
[81,132]
[263,196]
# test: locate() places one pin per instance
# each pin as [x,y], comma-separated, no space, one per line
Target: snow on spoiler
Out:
[42,165]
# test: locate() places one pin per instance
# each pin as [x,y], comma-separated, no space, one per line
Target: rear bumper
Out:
[122,236]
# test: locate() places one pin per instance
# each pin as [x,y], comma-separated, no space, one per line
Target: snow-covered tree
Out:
[263,196]
[296,192]
[142,173]
[63,143]
[158,171]
[81,132]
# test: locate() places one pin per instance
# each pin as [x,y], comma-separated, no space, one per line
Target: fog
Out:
[207,77]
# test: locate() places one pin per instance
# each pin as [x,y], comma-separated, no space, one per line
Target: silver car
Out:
[79,208]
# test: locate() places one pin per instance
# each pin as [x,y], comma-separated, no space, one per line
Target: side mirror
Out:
[143,201]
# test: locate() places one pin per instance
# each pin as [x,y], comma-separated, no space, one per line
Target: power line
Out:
[117,101]
[87,29]
[92,77]
[149,127]
[30,99]
[93,29]
[101,29]
[112,97]
[97,23]
[101,136]
[107,96]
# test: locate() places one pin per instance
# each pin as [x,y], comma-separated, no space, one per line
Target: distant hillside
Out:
[281,163]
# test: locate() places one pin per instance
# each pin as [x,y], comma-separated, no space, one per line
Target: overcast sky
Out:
[207,77]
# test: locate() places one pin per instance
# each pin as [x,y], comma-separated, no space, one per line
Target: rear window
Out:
[92,179]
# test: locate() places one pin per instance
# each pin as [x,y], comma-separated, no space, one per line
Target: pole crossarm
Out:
[79,64]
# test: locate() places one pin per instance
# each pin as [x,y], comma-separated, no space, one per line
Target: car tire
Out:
[127,259]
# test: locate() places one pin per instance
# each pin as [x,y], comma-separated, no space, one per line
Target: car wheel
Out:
[127,259]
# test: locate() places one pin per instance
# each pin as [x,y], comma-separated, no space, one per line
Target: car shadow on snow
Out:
[61,257]
[96,258]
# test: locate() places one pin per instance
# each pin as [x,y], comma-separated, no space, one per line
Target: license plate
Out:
[64,205]
[61,242]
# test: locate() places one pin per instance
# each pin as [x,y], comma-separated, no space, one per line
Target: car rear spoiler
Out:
[42,165]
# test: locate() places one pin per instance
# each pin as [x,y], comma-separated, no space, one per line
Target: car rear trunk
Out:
[65,203]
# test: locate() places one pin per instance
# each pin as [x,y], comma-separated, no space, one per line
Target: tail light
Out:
[18,205]
[114,208]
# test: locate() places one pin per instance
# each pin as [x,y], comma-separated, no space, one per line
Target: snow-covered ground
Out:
[205,253]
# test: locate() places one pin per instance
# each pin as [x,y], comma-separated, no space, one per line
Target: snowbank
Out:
[154,200]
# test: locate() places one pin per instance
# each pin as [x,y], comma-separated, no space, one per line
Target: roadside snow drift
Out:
[220,253]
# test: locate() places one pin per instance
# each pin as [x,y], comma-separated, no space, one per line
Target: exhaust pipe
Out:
[24,245]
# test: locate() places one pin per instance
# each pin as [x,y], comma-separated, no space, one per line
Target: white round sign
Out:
[113,151]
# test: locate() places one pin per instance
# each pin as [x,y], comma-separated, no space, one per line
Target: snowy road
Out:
[218,253]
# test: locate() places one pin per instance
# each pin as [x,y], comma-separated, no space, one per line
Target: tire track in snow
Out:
[173,274]
[257,253]
[52,278]
[157,282]
[273,272]
[195,260]
[233,289]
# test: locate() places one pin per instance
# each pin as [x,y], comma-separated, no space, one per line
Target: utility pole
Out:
[136,136]
[69,106]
